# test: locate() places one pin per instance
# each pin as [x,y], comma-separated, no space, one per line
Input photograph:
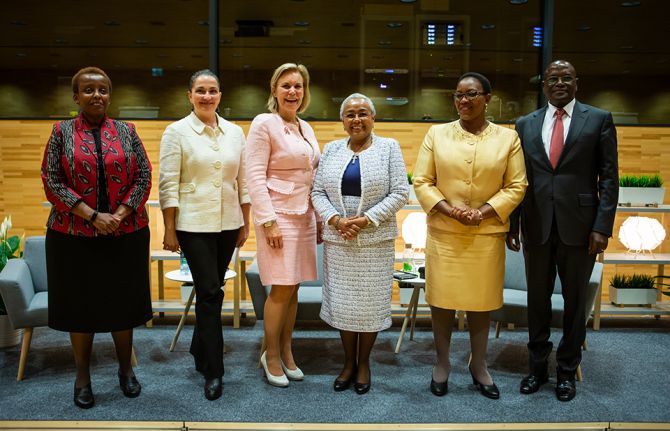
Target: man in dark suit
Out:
[566,218]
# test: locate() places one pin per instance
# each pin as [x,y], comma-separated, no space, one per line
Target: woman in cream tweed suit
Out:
[203,195]
[360,185]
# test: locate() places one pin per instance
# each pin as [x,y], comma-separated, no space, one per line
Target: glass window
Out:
[618,48]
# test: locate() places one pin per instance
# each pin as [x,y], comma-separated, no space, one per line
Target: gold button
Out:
[466,202]
[217,183]
[217,164]
[468,161]
[467,181]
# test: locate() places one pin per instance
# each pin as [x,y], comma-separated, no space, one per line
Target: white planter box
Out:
[632,296]
[641,196]
[9,336]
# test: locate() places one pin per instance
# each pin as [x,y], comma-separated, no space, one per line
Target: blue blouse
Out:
[351,179]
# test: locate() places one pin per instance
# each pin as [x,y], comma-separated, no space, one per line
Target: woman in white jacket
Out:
[203,195]
[360,185]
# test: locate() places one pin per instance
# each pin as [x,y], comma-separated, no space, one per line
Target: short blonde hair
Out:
[284,68]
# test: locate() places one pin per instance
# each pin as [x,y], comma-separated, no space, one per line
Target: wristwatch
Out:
[269,223]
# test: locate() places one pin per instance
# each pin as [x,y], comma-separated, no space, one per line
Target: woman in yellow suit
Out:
[469,176]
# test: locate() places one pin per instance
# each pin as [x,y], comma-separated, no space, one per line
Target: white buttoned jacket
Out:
[202,174]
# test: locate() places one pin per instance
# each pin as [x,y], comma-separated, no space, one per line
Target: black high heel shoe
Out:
[130,386]
[362,388]
[489,391]
[83,397]
[343,385]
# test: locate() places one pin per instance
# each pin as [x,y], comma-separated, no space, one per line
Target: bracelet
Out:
[337,223]
[95,214]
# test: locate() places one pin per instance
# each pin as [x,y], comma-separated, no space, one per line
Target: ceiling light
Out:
[408,1]
[384,43]
[394,24]
[304,41]
[584,28]
[630,3]
[488,26]
[518,2]
[203,23]
[301,23]
[21,54]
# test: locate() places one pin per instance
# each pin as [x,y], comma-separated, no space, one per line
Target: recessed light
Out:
[21,54]
[518,1]
[301,23]
[304,41]
[203,23]
[384,43]
[488,26]
[584,28]
[630,3]
[518,60]
[407,1]
[394,24]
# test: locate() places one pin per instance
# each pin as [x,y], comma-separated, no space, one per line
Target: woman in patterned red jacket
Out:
[97,176]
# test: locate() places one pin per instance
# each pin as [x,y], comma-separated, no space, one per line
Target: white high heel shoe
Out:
[279,381]
[296,374]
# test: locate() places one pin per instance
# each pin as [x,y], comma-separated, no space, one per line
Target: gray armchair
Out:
[515,292]
[309,294]
[23,286]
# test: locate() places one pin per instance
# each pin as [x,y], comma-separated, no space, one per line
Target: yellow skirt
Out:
[464,271]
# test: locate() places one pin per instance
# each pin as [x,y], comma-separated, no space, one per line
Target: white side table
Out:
[418,283]
[176,275]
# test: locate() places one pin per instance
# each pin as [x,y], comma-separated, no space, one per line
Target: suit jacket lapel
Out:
[538,145]
[579,116]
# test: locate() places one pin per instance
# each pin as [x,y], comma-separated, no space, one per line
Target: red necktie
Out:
[556,143]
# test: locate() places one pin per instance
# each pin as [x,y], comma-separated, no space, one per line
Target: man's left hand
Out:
[597,243]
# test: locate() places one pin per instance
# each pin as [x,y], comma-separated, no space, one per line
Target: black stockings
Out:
[357,349]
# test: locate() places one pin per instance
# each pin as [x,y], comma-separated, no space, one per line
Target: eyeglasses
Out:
[470,95]
[564,79]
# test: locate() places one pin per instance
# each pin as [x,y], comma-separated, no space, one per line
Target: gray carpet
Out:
[626,380]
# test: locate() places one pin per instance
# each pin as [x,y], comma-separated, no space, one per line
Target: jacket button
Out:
[467,181]
[468,161]
[215,148]
[217,164]
[217,183]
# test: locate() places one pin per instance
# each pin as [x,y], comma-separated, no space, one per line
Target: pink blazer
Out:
[281,161]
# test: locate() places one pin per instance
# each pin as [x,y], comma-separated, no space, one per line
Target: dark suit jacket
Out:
[582,192]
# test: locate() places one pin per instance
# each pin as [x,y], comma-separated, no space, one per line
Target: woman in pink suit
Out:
[281,157]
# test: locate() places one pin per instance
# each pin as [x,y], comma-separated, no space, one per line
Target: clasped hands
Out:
[349,227]
[106,223]
[466,215]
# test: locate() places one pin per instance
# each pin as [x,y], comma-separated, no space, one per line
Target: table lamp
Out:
[641,234]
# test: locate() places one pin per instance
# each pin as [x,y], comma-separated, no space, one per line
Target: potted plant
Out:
[641,190]
[9,249]
[410,180]
[636,289]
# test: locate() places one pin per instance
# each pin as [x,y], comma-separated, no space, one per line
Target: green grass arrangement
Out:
[410,177]
[640,181]
[635,281]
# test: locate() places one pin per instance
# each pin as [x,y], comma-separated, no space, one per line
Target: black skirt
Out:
[98,284]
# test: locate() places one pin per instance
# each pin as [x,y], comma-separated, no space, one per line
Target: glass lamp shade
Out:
[641,233]
[414,230]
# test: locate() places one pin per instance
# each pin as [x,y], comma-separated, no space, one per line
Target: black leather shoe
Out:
[213,388]
[130,386]
[489,391]
[83,397]
[439,389]
[565,389]
[361,388]
[532,382]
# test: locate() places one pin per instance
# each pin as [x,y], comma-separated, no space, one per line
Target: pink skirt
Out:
[296,261]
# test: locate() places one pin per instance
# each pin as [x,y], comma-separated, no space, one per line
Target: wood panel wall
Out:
[22,142]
